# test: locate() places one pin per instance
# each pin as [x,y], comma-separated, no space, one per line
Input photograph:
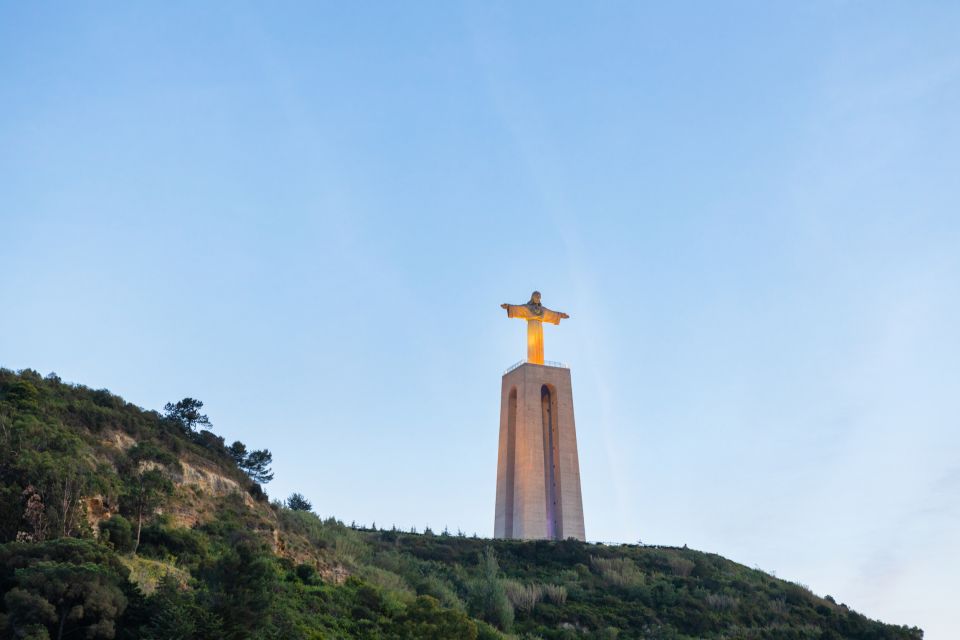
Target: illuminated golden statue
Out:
[535,314]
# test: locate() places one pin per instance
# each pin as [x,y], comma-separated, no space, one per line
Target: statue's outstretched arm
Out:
[553,317]
[515,310]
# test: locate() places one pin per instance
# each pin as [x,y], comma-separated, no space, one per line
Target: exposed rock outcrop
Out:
[118,440]
[96,510]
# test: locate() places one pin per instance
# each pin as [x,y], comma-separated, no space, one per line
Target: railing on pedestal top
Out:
[546,363]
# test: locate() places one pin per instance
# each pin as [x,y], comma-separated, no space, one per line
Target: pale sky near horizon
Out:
[307,216]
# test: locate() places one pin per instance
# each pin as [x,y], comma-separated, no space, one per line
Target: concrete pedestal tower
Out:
[538,471]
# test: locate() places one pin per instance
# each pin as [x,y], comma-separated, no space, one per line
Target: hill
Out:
[117,522]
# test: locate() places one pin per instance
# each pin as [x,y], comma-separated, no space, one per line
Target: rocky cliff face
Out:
[197,487]
[207,480]
[118,440]
[199,484]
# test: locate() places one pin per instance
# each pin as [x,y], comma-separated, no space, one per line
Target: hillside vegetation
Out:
[117,522]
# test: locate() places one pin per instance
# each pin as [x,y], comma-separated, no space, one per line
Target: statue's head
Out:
[535,298]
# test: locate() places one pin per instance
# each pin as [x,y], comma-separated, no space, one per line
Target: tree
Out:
[145,492]
[257,466]
[34,514]
[238,451]
[186,414]
[59,588]
[175,612]
[118,532]
[296,502]
[243,585]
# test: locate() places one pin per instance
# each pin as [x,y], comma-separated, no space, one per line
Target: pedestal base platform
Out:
[538,471]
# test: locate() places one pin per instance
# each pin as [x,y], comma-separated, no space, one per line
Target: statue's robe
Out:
[535,315]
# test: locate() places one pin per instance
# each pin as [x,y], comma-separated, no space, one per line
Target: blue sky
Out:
[307,216]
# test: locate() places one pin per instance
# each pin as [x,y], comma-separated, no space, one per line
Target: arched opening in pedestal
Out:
[551,462]
[509,478]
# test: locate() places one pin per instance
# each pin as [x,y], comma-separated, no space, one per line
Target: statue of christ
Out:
[535,314]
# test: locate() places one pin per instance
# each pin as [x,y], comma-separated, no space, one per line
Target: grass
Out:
[146,573]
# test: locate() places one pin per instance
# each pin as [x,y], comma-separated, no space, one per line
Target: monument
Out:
[538,471]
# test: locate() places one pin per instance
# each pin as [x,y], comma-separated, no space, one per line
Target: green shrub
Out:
[150,450]
[488,598]
[441,589]
[487,632]
[426,619]
[188,545]
[306,573]
[118,532]
[395,590]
